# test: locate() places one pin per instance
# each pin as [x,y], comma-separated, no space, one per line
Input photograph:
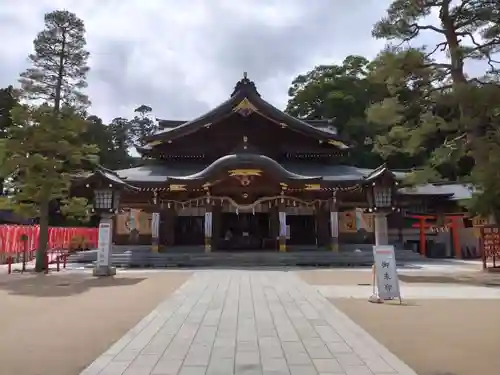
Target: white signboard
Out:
[282,218]
[208,224]
[155,225]
[104,244]
[386,274]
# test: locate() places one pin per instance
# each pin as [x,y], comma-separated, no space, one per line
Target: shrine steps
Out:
[143,258]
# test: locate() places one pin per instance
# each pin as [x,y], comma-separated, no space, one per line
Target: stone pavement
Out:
[246,322]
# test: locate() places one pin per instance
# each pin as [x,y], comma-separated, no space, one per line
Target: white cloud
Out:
[182,57]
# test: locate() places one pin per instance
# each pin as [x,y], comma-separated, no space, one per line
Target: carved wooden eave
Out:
[312,187]
[338,144]
[245,172]
[154,143]
[177,187]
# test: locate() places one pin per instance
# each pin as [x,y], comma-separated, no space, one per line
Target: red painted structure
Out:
[452,222]
[59,238]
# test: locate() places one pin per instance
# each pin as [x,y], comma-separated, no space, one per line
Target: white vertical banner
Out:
[386,274]
[208,224]
[104,244]
[282,218]
[334,224]
[155,225]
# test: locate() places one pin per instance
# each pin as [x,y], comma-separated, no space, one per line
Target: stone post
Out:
[381,229]
[104,247]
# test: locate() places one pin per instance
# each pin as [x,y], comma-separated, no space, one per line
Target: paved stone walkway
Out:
[246,322]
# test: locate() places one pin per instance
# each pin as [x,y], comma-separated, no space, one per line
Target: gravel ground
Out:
[59,323]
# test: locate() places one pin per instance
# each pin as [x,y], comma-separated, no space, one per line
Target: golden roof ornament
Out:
[245,108]
[246,85]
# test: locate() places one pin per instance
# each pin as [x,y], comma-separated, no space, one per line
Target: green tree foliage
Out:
[44,151]
[99,134]
[342,93]
[434,107]
[44,145]
[59,63]
[142,124]
[122,138]
[8,101]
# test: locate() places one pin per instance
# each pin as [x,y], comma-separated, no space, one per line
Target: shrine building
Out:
[248,177]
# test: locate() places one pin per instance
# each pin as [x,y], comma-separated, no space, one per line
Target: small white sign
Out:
[104,244]
[386,274]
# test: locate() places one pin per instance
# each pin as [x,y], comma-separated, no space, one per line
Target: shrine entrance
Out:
[244,232]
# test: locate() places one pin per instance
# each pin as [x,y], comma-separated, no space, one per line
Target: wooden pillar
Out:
[155,231]
[422,226]
[167,232]
[322,231]
[401,221]
[334,225]
[454,224]
[282,226]
[208,228]
[274,226]
[216,225]
[381,229]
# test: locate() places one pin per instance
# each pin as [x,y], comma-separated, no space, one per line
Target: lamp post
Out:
[106,204]
[381,202]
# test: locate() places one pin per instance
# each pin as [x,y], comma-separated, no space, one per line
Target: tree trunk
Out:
[60,76]
[43,239]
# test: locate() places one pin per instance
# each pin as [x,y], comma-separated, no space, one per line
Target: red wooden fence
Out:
[66,239]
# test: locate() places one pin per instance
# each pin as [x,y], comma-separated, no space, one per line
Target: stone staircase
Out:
[142,257]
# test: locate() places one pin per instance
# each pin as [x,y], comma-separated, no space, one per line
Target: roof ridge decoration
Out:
[245,84]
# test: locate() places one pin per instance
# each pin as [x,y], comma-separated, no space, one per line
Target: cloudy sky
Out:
[182,57]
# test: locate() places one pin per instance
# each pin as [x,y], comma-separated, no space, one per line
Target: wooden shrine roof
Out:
[158,173]
[244,100]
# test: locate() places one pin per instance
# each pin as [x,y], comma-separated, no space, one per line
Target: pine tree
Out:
[45,144]
[8,102]
[59,62]
[435,107]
